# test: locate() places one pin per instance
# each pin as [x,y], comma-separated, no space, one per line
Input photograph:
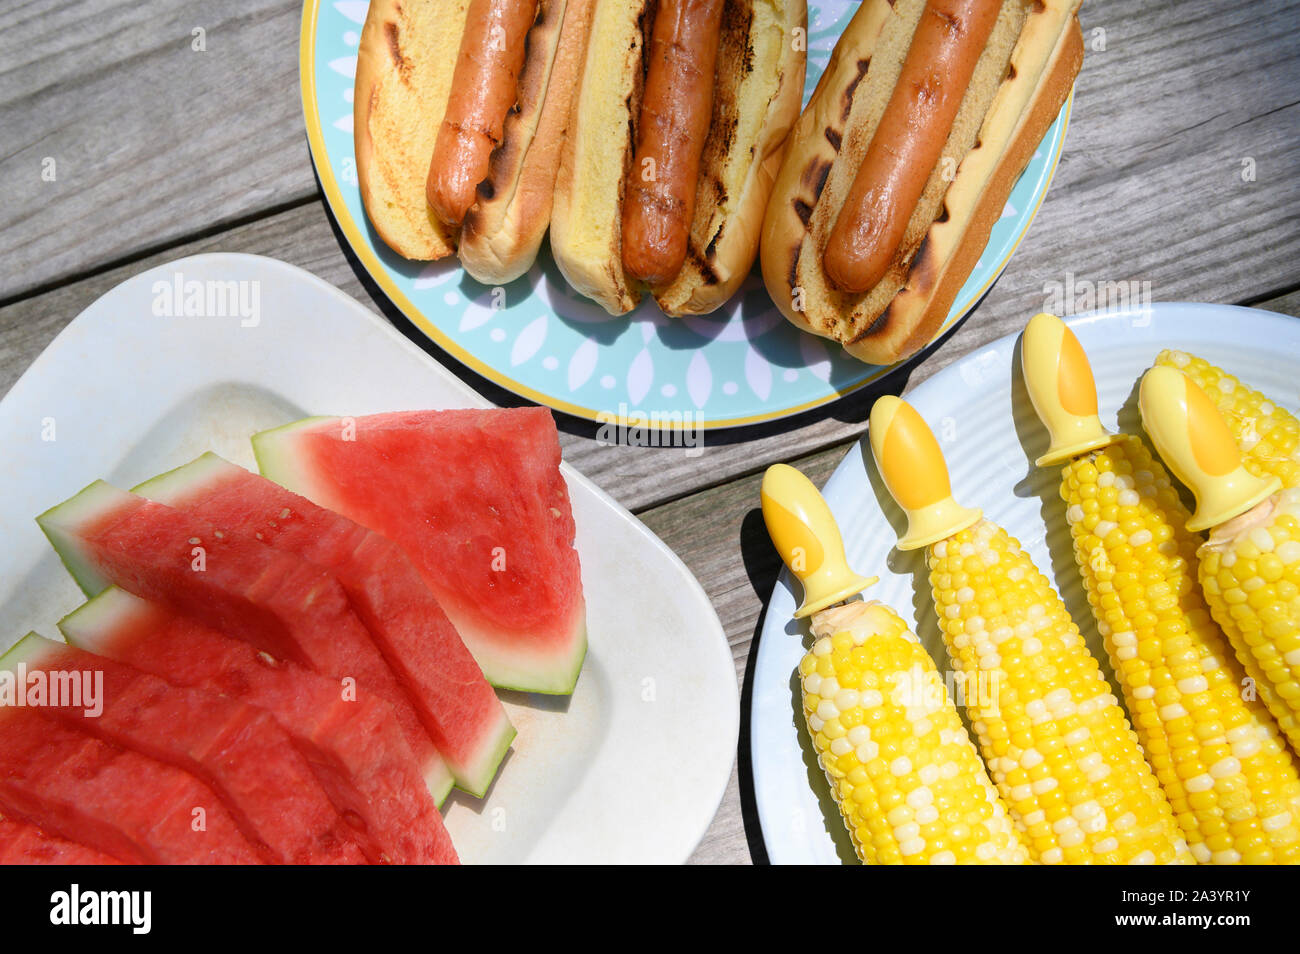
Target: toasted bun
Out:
[404,65]
[1020,82]
[756,99]
[504,228]
[753,111]
[586,237]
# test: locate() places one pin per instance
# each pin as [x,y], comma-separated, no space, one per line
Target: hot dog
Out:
[502,149]
[659,200]
[907,144]
[1021,78]
[688,231]
[484,88]
[504,228]
[405,61]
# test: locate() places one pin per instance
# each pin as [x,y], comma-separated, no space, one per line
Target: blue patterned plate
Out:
[741,365]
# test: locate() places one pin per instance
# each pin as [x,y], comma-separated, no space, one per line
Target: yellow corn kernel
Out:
[908,781]
[1090,795]
[1250,574]
[1220,758]
[1268,435]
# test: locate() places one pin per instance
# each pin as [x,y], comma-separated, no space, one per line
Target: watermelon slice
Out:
[477,501]
[355,747]
[117,802]
[235,584]
[455,703]
[241,753]
[24,844]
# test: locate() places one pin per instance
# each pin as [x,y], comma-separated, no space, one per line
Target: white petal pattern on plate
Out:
[529,341]
[699,379]
[583,363]
[759,374]
[345,66]
[640,376]
[344,123]
[354,10]
[818,360]
[435,273]
[476,315]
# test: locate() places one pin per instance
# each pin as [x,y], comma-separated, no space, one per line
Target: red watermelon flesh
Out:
[120,803]
[24,844]
[354,746]
[286,606]
[477,501]
[240,752]
[455,703]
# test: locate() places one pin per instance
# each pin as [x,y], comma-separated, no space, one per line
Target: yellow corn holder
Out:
[1192,437]
[912,465]
[805,535]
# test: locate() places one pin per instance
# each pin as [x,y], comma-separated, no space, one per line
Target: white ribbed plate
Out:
[981,414]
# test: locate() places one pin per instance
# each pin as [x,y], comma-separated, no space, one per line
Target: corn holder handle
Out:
[1190,434]
[805,534]
[1062,389]
[912,465]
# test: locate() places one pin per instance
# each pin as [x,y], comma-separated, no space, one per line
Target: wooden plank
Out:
[151,140]
[719,534]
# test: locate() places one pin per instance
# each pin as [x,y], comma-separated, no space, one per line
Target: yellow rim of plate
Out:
[361,248]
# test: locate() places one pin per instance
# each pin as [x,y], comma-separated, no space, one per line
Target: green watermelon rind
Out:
[31,649]
[90,503]
[274,464]
[181,478]
[179,481]
[273,451]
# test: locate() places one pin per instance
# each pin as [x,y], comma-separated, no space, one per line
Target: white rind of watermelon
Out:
[31,650]
[59,523]
[506,664]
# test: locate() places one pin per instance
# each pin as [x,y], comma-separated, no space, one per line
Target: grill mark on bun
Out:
[702,265]
[846,106]
[395,49]
[803,210]
[834,138]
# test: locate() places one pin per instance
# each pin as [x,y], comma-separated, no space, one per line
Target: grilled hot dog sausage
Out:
[483,90]
[659,199]
[908,141]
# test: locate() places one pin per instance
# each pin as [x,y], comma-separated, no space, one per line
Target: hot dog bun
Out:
[504,228]
[405,61]
[1017,88]
[758,87]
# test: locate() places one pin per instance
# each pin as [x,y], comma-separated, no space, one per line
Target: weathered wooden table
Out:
[122,147]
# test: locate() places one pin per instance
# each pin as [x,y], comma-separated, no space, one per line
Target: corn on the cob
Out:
[1267,435]
[1218,756]
[1053,736]
[1250,573]
[1250,566]
[1233,786]
[908,781]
